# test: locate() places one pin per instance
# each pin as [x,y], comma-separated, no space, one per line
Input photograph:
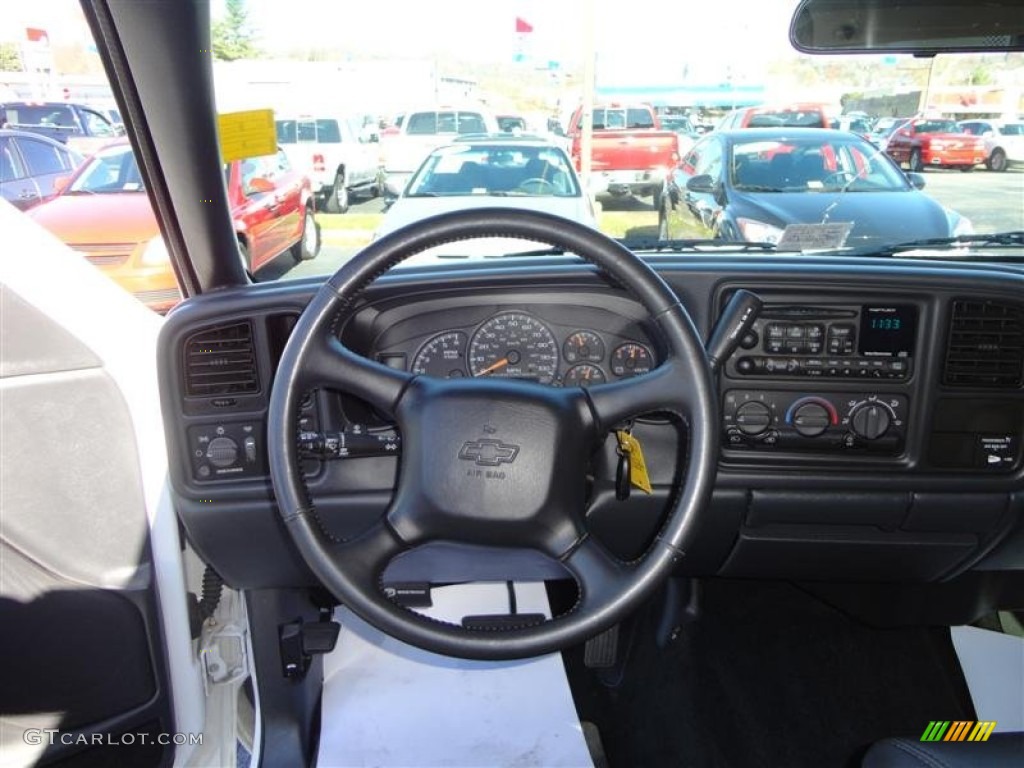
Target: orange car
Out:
[104,213]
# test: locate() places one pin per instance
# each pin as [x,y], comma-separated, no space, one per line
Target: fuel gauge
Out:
[631,359]
[583,347]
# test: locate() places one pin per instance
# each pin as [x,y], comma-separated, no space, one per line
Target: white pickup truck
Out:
[415,134]
[328,150]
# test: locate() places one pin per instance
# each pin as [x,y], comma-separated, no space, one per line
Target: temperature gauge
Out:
[631,359]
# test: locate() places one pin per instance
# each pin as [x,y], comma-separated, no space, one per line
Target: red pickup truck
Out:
[631,153]
[937,143]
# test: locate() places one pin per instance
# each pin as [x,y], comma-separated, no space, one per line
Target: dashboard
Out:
[870,420]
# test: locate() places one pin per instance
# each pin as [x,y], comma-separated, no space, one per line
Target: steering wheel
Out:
[841,178]
[454,430]
[542,186]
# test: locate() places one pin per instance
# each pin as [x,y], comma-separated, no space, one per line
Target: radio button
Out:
[746,366]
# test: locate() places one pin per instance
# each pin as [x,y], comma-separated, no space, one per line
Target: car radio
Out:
[837,341]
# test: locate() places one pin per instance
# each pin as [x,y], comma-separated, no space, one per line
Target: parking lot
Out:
[994,202]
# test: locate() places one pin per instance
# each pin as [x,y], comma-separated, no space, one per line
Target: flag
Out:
[36,35]
[523,27]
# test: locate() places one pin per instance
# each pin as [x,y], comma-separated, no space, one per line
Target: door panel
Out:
[82,648]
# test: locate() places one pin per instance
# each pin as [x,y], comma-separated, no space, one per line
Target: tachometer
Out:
[631,359]
[443,356]
[514,345]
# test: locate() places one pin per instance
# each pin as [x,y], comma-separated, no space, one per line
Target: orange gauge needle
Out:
[494,367]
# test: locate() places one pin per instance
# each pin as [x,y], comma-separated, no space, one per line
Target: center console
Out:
[822,378]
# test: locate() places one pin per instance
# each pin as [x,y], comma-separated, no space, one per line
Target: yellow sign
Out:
[247,134]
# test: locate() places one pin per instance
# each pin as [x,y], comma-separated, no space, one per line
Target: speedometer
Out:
[514,345]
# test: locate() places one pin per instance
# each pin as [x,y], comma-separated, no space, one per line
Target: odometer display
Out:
[514,345]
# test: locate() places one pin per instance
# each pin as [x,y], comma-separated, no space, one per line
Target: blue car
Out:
[750,184]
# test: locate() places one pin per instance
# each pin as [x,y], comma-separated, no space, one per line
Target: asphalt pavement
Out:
[994,202]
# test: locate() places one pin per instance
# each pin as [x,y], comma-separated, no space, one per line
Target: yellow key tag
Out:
[637,466]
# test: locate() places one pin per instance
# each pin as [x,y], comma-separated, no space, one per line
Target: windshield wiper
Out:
[1014,238]
[757,188]
[698,245]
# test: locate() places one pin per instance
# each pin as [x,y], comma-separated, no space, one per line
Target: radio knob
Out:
[753,418]
[222,452]
[811,419]
[870,420]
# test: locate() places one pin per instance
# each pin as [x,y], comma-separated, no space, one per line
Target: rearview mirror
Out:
[906,26]
[916,180]
[702,184]
[60,184]
[259,185]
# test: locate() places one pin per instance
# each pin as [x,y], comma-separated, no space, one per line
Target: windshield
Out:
[786,118]
[495,169]
[457,103]
[325,131]
[798,165]
[937,126]
[112,170]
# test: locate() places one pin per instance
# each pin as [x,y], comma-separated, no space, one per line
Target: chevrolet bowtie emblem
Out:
[488,453]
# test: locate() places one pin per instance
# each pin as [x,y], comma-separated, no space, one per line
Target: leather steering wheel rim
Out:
[434,499]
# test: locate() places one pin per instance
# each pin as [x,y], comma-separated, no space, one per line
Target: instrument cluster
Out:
[515,344]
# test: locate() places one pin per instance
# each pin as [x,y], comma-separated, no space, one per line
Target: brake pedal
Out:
[602,651]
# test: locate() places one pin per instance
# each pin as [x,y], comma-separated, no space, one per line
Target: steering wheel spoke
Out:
[662,389]
[598,574]
[331,364]
[366,556]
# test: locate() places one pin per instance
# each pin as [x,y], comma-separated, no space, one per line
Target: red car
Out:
[104,213]
[937,143]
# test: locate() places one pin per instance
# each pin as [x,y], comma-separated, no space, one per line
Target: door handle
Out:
[27,195]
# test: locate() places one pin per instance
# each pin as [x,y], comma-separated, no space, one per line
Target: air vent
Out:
[220,361]
[986,345]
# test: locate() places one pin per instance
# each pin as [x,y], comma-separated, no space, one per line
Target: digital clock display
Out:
[887,331]
[886,323]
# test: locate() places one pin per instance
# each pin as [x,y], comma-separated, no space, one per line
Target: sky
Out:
[665,40]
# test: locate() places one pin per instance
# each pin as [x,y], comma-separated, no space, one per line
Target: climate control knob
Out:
[811,419]
[870,420]
[753,418]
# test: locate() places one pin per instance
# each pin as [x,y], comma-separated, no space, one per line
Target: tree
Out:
[10,58]
[231,36]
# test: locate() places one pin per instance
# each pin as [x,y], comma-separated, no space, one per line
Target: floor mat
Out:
[769,676]
[386,703]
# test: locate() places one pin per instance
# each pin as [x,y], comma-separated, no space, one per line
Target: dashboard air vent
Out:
[221,361]
[986,345]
